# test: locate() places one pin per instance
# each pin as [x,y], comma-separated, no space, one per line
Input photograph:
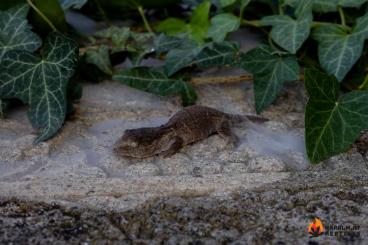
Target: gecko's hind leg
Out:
[225,132]
[174,147]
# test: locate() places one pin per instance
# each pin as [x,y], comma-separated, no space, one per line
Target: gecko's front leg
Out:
[225,132]
[175,146]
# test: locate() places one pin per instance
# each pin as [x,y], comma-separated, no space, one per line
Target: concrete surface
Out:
[73,190]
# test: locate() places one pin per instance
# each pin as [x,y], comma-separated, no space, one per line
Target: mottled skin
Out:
[189,125]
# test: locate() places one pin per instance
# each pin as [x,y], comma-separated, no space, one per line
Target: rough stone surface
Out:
[273,213]
[73,190]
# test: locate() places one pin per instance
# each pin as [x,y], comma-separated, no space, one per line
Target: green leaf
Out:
[156,81]
[171,26]
[118,36]
[4,5]
[177,59]
[188,94]
[290,34]
[199,22]
[16,32]
[136,57]
[100,57]
[196,29]
[361,28]
[53,11]
[201,14]
[332,122]
[270,70]
[219,54]
[18,11]
[338,50]
[141,37]
[67,4]
[351,3]
[142,44]
[243,4]
[304,10]
[117,39]
[225,3]
[163,43]
[325,6]
[221,25]
[41,82]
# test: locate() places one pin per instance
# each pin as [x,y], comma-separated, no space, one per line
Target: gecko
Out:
[191,124]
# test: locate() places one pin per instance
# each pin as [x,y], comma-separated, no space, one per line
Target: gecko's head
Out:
[139,143]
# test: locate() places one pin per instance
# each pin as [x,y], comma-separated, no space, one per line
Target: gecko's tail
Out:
[243,118]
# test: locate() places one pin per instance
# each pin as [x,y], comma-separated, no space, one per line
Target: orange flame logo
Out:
[316,228]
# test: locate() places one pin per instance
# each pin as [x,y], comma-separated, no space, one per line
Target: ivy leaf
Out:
[325,6]
[156,81]
[188,94]
[100,57]
[332,122]
[53,11]
[16,32]
[361,28]
[219,54]
[118,35]
[177,59]
[304,10]
[221,25]
[171,26]
[243,4]
[200,14]
[20,10]
[287,32]
[351,3]
[195,30]
[338,50]
[182,52]
[225,3]
[4,5]
[117,39]
[270,70]
[164,43]
[199,22]
[41,82]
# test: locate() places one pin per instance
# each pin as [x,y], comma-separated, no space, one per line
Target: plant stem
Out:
[270,42]
[146,24]
[254,23]
[319,23]
[257,23]
[228,79]
[241,14]
[281,10]
[342,15]
[102,12]
[364,84]
[42,15]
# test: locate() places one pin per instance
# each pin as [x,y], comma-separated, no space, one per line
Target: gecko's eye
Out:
[129,144]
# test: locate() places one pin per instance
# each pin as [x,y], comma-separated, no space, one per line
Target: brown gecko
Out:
[189,125]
